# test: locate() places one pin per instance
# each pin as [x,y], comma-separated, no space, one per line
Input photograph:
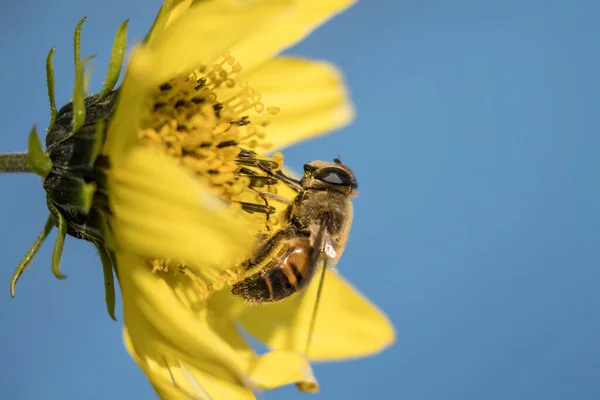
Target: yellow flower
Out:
[201,349]
[164,200]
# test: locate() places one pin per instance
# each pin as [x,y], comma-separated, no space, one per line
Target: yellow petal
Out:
[122,132]
[176,380]
[170,11]
[183,38]
[160,211]
[311,96]
[316,124]
[285,29]
[160,322]
[271,370]
[347,324]
[279,368]
[176,9]
[205,31]
[188,349]
[222,308]
[204,383]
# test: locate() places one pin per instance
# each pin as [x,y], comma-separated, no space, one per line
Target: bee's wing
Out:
[322,251]
[330,254]
[318,239]
[299,297]
[323,246]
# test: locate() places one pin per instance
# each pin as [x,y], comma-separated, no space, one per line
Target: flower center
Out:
[204,120]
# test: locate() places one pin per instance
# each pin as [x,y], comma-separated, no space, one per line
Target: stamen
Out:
[204,120]
[160,265]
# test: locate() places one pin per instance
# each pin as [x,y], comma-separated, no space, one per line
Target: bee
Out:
[316,227]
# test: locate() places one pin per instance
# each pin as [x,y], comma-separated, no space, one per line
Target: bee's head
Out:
[323,175]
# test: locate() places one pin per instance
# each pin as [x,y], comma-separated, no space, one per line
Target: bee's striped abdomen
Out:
[287,273]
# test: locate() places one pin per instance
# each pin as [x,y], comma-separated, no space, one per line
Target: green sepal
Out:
[78,90]
[87,76]
[87,196]
[59,243]
[77,42]
[98,140]
[73,191]
[109,240]
[116,60]
[50,84]
[28,258]
[109,281]
[37,159]
[79,96]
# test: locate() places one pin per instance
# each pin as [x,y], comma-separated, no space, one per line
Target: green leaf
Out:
[50,84]
[116,60]
[24,264]
[109,281]
[59,243]
[37,159]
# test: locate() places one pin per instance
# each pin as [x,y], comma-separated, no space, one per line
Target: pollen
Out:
[209,121]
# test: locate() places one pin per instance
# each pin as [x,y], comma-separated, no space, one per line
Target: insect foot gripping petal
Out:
[71,167]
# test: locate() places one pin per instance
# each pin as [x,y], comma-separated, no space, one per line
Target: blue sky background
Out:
[477,227]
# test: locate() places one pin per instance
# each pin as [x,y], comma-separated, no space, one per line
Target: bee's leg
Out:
[287,180]
[261,237]
[316,257]
[269,244]
[313,319]
[275,196]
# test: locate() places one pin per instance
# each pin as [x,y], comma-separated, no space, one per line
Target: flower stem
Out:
[14,162]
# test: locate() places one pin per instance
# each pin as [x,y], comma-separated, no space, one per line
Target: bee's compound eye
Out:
[334,176]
